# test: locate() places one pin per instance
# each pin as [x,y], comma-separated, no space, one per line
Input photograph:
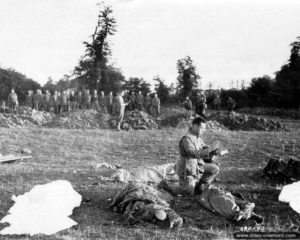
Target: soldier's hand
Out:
[204,153]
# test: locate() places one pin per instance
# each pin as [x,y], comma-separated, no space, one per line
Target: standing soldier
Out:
[155,104]
[187,104]
[201,104]
[72,99]
[36,100]
[102,102]
[64,101]
[139,101]
[60,107]
[13,100]
[217,102]
[109,103]
[56,102]
[132,101]
[47,99]
[231,104]
[95,101]
[29,99]
[120,108]
[147,103]
[79,100]
[41,99]
[87,99]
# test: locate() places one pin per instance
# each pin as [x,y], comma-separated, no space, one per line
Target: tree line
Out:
[94,72]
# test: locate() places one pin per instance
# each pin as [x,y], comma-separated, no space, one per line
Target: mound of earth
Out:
[135,120]
[180,118]
[81,119]
[183,119]
[235,121]
[286,113]
[25,117]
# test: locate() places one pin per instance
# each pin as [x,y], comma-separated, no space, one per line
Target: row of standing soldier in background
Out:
[70,100]
[201,103]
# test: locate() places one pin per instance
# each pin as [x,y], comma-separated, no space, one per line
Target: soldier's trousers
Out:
[120,119]
[190,172]
[110,108]
[36,106]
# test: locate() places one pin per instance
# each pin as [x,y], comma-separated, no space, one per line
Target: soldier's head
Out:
[110,93]
[55,92]
[88,91]
[140,92]
[102,93]
[187,98]
[12,90]
[47,91]
[155,95]
[198,125]
[79,93]
[95,92]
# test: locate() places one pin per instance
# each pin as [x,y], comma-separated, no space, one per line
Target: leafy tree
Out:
[9,78]
[51,86]
[261,91]
[93,69]
[135,85]
[287,82]
[187,80]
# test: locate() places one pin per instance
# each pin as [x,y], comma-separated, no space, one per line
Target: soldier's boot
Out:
[257,218]
[173,188]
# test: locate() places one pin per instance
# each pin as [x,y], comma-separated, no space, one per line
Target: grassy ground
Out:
[74,154]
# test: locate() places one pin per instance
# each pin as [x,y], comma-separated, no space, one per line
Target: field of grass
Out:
[73,155]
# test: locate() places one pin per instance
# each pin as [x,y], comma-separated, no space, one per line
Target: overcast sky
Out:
[227,39]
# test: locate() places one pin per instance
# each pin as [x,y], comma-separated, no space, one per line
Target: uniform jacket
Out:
[191,157]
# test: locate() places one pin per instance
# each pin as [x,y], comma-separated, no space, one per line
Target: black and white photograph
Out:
[149,119]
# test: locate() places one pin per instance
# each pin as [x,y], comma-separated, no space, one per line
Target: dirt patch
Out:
[81,119]
[135,120]
[235,121]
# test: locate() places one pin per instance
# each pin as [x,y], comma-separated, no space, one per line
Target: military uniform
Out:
[56,103]
[72,100]
[201,105]
[188,104]
[109,103]
[139,102]
[47,102]
[231,104]
[29,100]
[87,100]
[147,103]
[120,108]
[132,104]
[13,101]
[102,102]
[217,102]
[95,102]
[191,168]
[64,102]
[155,105]
[38,101]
